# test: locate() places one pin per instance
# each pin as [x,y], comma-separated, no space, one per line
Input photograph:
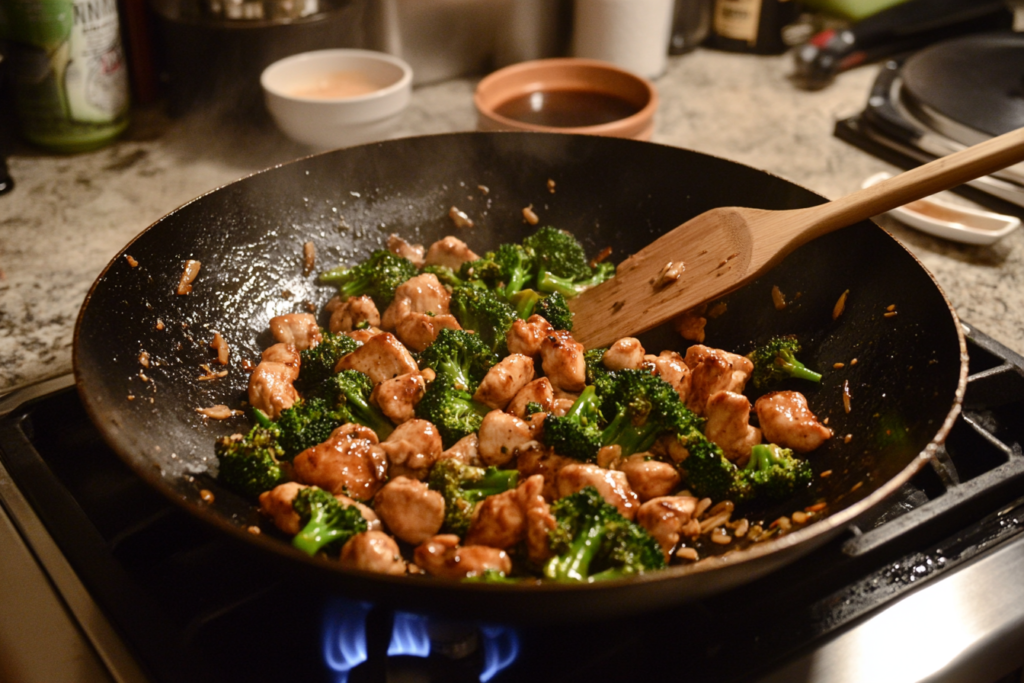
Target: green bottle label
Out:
[69,73]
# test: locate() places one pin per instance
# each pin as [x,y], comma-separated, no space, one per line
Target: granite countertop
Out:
[69,215]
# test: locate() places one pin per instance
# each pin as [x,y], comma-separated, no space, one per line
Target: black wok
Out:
[906,384]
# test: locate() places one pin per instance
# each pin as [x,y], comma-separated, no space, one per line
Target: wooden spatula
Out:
[721,249]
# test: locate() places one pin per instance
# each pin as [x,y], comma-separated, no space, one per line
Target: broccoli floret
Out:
[378,277]
[463,486]
[249,464]
[445,275]
[451,409]
[555,310]
[464,357]
[577,434]
[317,363]
[306,423]
[348,395]
[710,475]
[484,312]
[484,271]
[524,301]
[570,287]
[327,524]
[558,253]
[516,265]
[533,407]
[776,361]
[594,359]
[592,541]
[775,474]
[639,406]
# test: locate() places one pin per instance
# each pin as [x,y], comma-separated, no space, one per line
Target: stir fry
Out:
[446,422]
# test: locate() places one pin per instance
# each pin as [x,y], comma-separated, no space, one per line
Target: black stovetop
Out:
[191,605]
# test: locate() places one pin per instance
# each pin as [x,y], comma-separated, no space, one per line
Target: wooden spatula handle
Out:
[942,174]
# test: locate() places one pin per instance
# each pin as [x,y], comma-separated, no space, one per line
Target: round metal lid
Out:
[969,88]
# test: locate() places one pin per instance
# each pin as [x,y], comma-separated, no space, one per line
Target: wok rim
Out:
[819,531]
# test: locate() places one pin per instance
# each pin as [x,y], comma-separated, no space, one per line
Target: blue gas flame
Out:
[501,648]
[409,636]
[345,636]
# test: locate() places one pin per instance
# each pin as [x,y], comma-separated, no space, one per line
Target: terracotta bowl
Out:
[567,95]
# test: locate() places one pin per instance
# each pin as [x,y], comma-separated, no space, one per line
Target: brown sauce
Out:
[567,108]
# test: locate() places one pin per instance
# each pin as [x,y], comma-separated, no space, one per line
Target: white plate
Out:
[938,216]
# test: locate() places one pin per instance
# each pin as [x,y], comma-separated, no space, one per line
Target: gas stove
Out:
[942,99]
[112,582]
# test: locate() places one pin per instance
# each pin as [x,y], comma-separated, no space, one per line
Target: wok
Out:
[906,385]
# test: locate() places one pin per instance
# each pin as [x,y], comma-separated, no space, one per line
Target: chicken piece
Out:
[500,436]
[787,421]
[412,449]
[611,484]
[609,457]
[285,354]
[714,370]
[373,551]
[669,444]
[381,357]
[669,365]
[364,335]
[499,521]
[625,353]
[539,520]
[397,397]
[648,477]
[669,518]
[271,389]
[355,310]
[421,294]
[563,362]
[347,463]
[443,556]
[298,329]
[412,252]
[525,336]
[466,450]
[451,252]
[419,311]
[372,520]
[504,380]
[690,324]
[729,425]
[561,406]
[534,459]
[419,330]
[506,519]
[409,510]
[277,505]
[538,391]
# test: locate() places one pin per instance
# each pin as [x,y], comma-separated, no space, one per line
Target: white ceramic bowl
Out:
[336,98]
[938,216]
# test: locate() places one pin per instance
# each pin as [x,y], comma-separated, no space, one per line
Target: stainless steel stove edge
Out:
[961,629]
[64,635]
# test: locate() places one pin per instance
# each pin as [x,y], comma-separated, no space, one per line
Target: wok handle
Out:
[935,176]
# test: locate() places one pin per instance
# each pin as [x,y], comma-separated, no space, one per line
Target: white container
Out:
[327,122]
[939,216]
[632,34]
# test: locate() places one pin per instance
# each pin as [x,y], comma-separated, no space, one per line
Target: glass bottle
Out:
[67,71]
[752,25]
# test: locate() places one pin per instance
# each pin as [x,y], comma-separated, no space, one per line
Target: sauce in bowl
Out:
[567,108]
[336,85]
